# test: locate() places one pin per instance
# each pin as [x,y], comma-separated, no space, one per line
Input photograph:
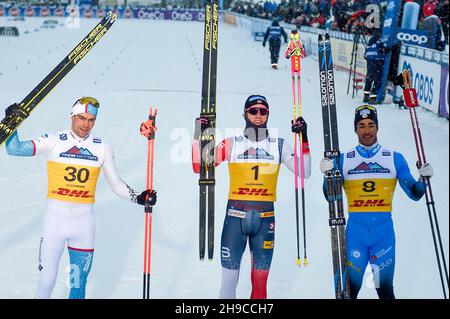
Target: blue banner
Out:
[414,37]
[388,37]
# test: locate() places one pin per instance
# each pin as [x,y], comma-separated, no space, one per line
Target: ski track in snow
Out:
[139,64]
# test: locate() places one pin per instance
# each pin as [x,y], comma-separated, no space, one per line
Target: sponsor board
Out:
[413,37]
[9,31]
[444,94]
[426,77]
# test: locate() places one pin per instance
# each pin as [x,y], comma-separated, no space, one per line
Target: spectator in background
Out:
[442,13]
[274,34]
[428,8]
[317,20]
[325,8]
[374,55]
[340,10]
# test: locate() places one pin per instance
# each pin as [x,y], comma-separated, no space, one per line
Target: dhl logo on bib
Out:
[370,203]
[253,181]
[72,183]
[371,195]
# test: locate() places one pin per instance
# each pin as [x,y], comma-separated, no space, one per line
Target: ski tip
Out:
[320,37]
[327,36]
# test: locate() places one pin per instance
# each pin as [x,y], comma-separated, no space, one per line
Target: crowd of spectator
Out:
[342,15]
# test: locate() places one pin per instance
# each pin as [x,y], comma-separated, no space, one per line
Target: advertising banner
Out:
[426,78]
[413,37]
[9,31]
[444,96]
[387,37]
[166,14]
[342,56]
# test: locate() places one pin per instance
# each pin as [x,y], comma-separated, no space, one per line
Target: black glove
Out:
[264,43]
[143,200]
[201,123]
[399,81]
[300,126]
[13,110]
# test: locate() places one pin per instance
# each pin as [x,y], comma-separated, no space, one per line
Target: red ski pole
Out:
[411,102]
[149,133]
[294,52]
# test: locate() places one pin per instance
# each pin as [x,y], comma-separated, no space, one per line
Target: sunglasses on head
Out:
[89,101]
[255,110]
[362,107]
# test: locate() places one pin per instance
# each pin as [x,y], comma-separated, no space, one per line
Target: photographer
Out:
[375,54]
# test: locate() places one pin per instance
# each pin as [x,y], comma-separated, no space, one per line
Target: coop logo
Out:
[155,15]
[387,23]
[423,84]
[182,16]
[412,38]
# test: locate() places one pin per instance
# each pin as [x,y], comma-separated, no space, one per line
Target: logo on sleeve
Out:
[79,153]
[351,154]
[63,137]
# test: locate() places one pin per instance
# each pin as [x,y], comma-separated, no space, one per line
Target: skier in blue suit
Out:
[274,34]
[370,173]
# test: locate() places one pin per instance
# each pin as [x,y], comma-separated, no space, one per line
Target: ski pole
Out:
[290,54]
[411,102]
[149,133]
[296,172]
[294,52]
[302,171]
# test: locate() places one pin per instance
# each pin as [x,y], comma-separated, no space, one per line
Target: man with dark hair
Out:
[370,173]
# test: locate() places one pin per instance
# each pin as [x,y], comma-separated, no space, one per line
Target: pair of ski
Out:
[207,139]
[11,122]
[333,178]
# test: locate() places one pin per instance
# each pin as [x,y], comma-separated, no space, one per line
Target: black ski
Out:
[10,123]
[207,138]
[333,178]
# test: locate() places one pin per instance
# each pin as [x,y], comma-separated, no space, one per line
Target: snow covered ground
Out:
[139,64]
